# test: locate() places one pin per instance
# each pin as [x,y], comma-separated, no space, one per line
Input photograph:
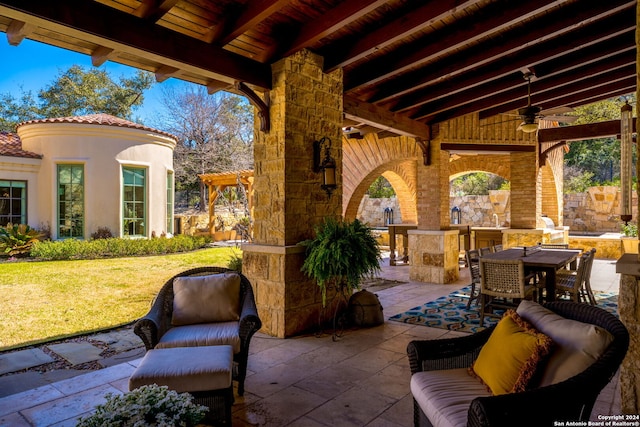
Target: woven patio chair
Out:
[497,248]
[484,251]
[576,283]
[154,325]
[473,261]
[570,399]
[503,284]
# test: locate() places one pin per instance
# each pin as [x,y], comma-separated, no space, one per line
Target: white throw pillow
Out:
[206,299]
[577,345]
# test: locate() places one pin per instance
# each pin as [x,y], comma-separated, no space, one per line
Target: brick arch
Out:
[497,164]
[366,159]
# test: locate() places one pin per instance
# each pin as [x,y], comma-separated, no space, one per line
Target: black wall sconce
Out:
[327,166]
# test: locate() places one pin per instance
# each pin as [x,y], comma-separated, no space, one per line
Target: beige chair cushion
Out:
[206,299]
[185,369]
[445,396]
[202,334]
[577,345]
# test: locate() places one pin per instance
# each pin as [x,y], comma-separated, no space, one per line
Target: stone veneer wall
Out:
[595,210]
[305,104]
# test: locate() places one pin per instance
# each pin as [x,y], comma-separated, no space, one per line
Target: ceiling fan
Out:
[532,114]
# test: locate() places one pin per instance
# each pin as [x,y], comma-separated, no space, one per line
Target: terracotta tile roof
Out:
[99,119]
[10,145]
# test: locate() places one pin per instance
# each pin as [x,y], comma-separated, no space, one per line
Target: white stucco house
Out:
[77,174]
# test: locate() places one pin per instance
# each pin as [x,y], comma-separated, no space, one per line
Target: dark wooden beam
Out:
[254,12]
[547,95]
[154,10]
[487,21]
[610,128]
[341,15]
[592,94]
[100,55]
[94,21]
[344,53]
[469,88]
[18,31]
[518,50]
[369,114]
[491,94]
[487,148]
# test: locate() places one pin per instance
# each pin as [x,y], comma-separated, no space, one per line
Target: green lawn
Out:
[44,301]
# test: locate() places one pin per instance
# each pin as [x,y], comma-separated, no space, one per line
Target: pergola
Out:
[217,182]
[435,77]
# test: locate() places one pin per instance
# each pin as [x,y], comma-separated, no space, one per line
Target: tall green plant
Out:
[18,239]
[342,253]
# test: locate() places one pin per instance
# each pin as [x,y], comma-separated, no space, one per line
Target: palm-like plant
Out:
[18,239]
[342,254]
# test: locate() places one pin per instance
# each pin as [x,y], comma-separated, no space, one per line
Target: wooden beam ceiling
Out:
[406,65]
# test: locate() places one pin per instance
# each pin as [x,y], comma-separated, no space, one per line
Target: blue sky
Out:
[34,65]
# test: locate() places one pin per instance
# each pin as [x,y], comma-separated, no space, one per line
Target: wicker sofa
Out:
[157,331]
[570,399]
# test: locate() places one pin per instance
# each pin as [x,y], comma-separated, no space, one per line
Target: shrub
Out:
[630,229]
[18,239]
[149,405]
[114,247]
[235,262]
[102,233]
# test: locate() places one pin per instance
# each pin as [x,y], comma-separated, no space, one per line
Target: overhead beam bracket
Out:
[256,101]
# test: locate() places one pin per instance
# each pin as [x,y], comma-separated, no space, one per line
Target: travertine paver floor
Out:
[362,379]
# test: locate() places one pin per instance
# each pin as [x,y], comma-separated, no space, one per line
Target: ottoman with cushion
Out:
[204,306]
[204,372]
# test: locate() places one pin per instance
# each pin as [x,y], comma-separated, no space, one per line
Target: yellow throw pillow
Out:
[510,357]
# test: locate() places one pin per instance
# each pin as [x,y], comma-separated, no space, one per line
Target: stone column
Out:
[433,248]
[526,192]
[305,105]
[629,309]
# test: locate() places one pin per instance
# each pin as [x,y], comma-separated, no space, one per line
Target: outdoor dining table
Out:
[543,260]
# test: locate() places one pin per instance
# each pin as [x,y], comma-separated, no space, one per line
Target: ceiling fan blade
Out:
[556,111]
[561,119]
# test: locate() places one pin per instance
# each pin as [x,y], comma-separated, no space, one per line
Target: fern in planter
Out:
[342,254]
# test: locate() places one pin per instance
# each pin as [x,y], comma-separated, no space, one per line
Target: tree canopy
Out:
[215,134]
[594,161]
[74,92]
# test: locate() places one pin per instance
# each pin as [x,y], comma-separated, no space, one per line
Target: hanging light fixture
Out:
[626,142]
[327,166]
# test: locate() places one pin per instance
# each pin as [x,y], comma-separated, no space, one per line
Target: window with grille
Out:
[134,201]
[13,202]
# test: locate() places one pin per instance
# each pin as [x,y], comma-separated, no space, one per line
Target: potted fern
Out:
[341,255]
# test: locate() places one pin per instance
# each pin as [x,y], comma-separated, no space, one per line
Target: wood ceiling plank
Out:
[94,21]
[531,44]
[253,13]
[341,54]
[544,91]
[582,90]
[509,89]
[342,15]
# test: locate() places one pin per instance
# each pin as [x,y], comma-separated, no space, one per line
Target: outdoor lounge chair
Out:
[442,386]
[157,331]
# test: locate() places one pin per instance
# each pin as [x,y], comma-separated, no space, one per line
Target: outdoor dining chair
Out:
[575,283]
[503,284]
[473,261]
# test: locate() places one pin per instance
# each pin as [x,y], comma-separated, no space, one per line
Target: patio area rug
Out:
[450,312]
